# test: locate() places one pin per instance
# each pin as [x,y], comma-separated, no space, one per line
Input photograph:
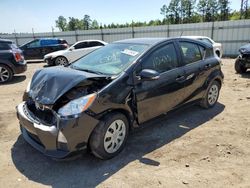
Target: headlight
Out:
[28,87]
[243,50]
[77,106]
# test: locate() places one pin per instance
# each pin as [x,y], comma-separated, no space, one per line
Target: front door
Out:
[32,50]
[156,97]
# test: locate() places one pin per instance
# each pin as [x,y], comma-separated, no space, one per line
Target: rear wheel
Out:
[212,95]
[61,61]
[110,135]
[6,74]
[239,68]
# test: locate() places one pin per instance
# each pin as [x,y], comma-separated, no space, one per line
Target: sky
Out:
[23,15]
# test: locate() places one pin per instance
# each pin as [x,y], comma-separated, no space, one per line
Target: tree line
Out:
[176,12]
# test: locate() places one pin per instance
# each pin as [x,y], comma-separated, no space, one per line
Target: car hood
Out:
[56,53]
[245,49]
[49,84]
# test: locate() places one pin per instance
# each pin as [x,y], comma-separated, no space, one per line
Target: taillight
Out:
[18,57]
[66,45]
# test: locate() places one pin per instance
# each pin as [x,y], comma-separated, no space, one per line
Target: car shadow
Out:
[246,75]
[16,79]
[88,171]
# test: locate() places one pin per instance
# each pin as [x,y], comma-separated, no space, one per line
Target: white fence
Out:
[232,34]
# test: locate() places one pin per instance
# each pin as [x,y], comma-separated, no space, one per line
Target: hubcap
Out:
[61,61]
[4,74]
[114,136]
[213,94]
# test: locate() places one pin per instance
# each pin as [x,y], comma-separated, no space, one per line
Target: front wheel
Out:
[211,96]
[110,135]
[61,61]
[239,68]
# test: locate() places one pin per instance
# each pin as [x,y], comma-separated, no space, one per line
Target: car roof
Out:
[195,37]
[155,41]
[147,41]
[90,40]
[6,40]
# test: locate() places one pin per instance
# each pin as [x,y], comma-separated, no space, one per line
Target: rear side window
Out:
[4,46]
[209,53]
[49,42]
[162,59]
[191,52]
[95,43]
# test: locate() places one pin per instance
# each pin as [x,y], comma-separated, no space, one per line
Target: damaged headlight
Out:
[77,106]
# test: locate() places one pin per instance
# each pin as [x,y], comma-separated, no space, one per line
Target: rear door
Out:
[195,68]
[48,46]
[156,97]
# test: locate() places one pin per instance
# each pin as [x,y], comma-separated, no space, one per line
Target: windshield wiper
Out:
[86,70]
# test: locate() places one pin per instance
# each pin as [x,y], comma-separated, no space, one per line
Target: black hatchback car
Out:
[38,48]
[11,60]
[96,101]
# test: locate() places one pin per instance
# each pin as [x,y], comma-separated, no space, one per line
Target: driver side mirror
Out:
[148,75]
[71,48]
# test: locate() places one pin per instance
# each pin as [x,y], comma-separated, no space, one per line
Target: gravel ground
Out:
[191,147]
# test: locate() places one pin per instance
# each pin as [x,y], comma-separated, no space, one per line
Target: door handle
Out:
[180,78]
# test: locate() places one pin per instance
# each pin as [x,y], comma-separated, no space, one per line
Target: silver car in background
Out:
[216,46]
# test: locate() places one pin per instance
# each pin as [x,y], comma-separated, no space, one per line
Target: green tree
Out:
[95,25]
[86,22]
[208,9]
[74,24]
[61,23]
[224,8]
[187,8]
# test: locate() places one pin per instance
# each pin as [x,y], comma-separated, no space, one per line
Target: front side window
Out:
[111,59]
[34,44]
[162,59]
[191,52]
[81,45]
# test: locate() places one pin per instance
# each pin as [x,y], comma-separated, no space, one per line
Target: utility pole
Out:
[33,33]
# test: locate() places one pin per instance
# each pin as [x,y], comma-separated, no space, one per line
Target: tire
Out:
[239,68]
[104,141]
[211,96]
[61,61]
[6,74]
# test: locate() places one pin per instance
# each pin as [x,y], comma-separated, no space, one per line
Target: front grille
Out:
[44,116]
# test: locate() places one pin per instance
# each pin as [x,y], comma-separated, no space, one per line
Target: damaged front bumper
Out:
[58,140]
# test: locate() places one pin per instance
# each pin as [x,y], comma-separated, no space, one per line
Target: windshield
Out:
[111,59]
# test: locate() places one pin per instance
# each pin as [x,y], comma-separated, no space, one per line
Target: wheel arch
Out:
[7,65]
[54,59]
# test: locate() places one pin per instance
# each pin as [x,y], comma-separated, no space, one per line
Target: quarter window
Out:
[190,52]
[161,60]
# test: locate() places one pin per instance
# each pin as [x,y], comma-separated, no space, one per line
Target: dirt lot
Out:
[188,148]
